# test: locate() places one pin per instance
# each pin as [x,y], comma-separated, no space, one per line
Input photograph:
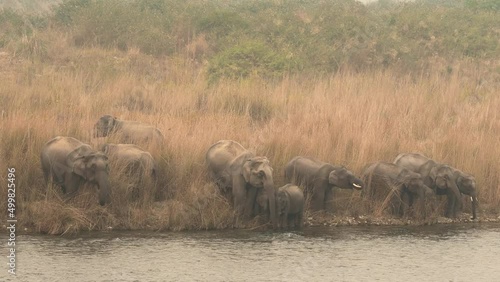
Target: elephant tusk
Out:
[356,185]
[471,199]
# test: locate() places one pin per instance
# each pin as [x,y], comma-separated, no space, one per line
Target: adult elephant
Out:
[72,163]
[127,131]
[131,160]
[241,175]
[439,177]
[397,187]
[318,179]
[290,206]
[135,168]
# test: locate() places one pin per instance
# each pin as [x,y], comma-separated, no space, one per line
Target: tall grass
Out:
[348,118]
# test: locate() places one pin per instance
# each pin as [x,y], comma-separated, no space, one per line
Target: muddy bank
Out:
[318,220]
[381,221]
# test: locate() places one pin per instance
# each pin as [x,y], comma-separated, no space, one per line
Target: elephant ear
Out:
[108,122]
[79,166]
[246,170]
[109,149]
[105,149]
[437,179]
[405,177]
[333,177]
[76,160]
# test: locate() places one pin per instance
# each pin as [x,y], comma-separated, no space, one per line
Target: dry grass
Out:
[349,119]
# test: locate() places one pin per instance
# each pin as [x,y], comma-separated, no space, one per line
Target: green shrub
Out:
[244,60]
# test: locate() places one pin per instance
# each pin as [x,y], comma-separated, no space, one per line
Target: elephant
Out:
[290,206]
[128,131]
[466,184]
[241,176]
[72,163]
[439,177]
[318,179]
[398,187]
[131,161]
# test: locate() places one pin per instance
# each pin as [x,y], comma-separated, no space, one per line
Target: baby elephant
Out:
[290,206]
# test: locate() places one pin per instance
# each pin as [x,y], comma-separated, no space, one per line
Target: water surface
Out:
[468,252]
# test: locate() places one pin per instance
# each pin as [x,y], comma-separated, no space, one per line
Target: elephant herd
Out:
[71,163]
[407,184]
[246,180]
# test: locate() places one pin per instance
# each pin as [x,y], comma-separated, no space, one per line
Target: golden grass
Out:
[349,118]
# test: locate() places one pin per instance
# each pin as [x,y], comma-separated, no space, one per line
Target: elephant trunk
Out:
[271,194]
[458,197]
[104,189]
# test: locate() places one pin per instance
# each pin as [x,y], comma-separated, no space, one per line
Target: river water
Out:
[466,252]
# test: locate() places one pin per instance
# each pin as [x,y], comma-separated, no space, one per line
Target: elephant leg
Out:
[256,208]
[318,199]
[299,220]
[283,220]
[71,183]
[451,211]
[329,200]
[239,195]
[404,205]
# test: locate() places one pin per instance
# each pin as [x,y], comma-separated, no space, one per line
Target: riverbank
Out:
[154,223]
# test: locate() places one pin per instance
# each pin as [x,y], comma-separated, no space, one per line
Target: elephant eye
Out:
[261,173]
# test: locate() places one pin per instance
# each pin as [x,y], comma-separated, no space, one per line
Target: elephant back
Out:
[303,171]
[411,161]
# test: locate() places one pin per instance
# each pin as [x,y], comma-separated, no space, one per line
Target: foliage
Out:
[274,37]
[251,58]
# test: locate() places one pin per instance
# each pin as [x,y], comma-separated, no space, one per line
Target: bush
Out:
[244,60]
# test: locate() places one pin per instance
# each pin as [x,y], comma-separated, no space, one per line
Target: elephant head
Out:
[444,183]
[343,178]
[413,184]
[105,125]
[282,207]
[93,167]
[467,185]
[258,173]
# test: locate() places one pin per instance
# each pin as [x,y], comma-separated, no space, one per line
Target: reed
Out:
[350,118]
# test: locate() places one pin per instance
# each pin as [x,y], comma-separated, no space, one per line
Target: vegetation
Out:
[334,80]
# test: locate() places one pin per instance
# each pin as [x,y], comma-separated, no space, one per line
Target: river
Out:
[455,252]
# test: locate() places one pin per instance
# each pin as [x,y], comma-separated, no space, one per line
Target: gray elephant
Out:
[134,166]
[318,179]
[127,131]
[439,177]
[290,206]
[396,187]
[72,163]
[466,184]
[131,159]
[241,175]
